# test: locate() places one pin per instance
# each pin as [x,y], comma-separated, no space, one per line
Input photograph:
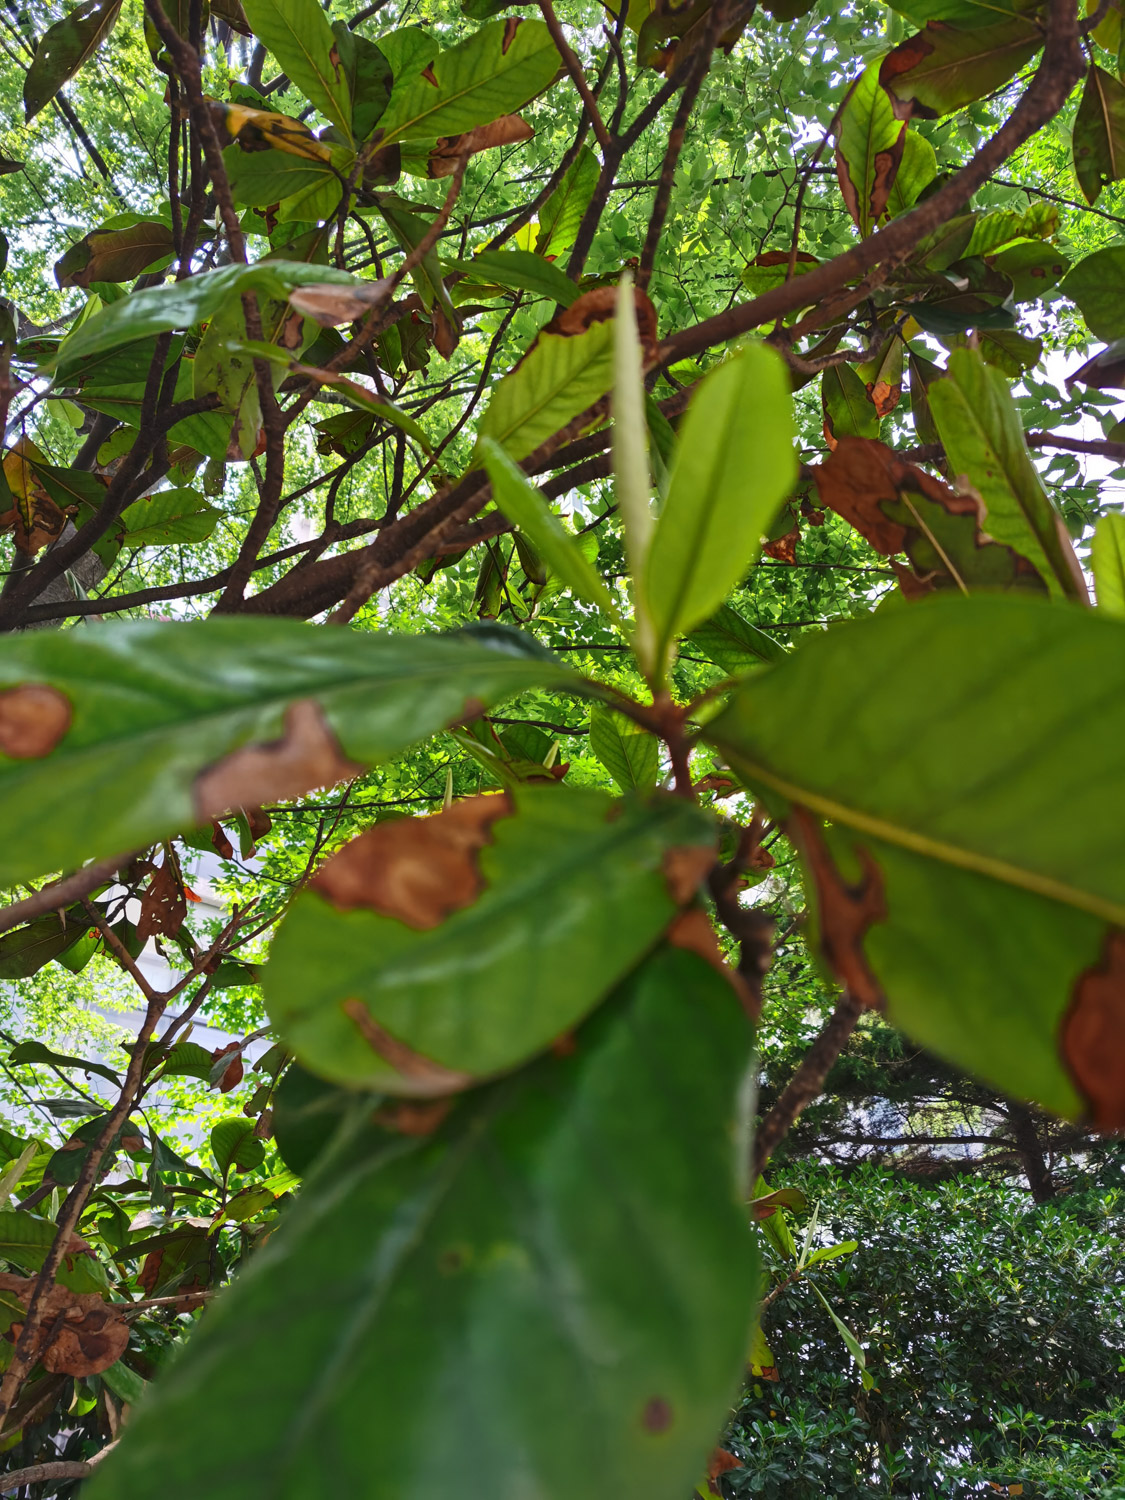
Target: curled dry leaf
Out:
[599,305]
[783,549]
[418,870]
[413,1119]
[231,1076]
[308,756]
[844,912]
[508,130]
[1092,1039]
[329,304]
[721,1462]
[163,902]
[78,1335]
[33,719]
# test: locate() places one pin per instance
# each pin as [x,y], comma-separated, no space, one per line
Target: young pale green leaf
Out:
[629,753]
[734,466]
[63,48]
[1099,134]
[968,756]
[855,1348]
[1107,559]
[557,379]
[632,478]
[519,270]
[869,147]
[527,509]
[983,437]
[118,735]
[548,896]
[494,72]
[299,36]
[572,1239]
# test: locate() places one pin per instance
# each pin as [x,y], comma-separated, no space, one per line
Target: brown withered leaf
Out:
[783,549]
[329,304]
[418,870]
[508,130]
[721,1462]
[219,840]
[899,508]
[844,912]
[886,166]
[905,57]
[420,1075]
[232,1074]
[78,1335]
[601,303]
[1092,1038]
[413,1119]
[33,719]
[308,756]
[163,901]
[686,868]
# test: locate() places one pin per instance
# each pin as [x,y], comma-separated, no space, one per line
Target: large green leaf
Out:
[1099,133]
[179,515]
[561,215]
[983,437]
[179,304]
[520,270]
[1107,560]
[559,377]
[117,251]
[848,409]
[734,465]
[969,755]
[25,950]
[299,36]
[1097,285]
[63,48]
[136,713]
[542,899]
[494,72]
[869,148]
[629,753]
[733,643]
[943,68]
[916,171]
[550,1297]
[261,178]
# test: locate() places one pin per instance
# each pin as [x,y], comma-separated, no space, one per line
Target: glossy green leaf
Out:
[629,752]
[983,437]
[299,36]
[1099,133]
[369,76]
[943,68]
[733,643]
[1097,285]
[63,48]
[574,894]
[153,705]
[493,72]
[235,1146]
[577,1240]
[869,147]
[520,270]
[734,465]
[848,409]
[180,304]
[916,171]
[527,508]
[25,1238]
[31,1051]
[124,1382]
[261,178]
[561,215]
[559,377]
[968,756]
[168,516]
[1107,560]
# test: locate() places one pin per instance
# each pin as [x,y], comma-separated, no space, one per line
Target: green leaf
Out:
[152,706]
[559,377]
[234,1145]
[562,213]
[299,36]
[527,508]
[732,643]
[519,270]
[1099,133]
[855,1349]
[116,254]
[1107,560]
[307,1112]
[629,753]
[941,69]
[369,75]
[179,515]
[967,753]
[916,171]
[494,72]
[1031,266]
[832,1252]
[572,1240]
[187,1060]
[124,1382]
[63,48]
[734,465]
[1097,285]
[180,304]
[25,950]
[1009,351]
[261,178]
[35,1052]
[574,894]
[869,147]
[848,408]
[983,438]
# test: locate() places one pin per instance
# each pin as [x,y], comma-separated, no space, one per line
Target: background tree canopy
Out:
[596,532]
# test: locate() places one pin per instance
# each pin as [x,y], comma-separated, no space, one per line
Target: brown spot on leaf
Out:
[417,870]
[600,304]
[219,840]
[902,60]
[692,931]
[430,76]
[844,912]
[446,332]
[1092,1039]
[657,1415]
[79,1333]
[511,26]
[308,756]
[33,719]
[232,1075]
[413,1119]
[421,1076]
[686,868]
[508,130]
[884,398]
